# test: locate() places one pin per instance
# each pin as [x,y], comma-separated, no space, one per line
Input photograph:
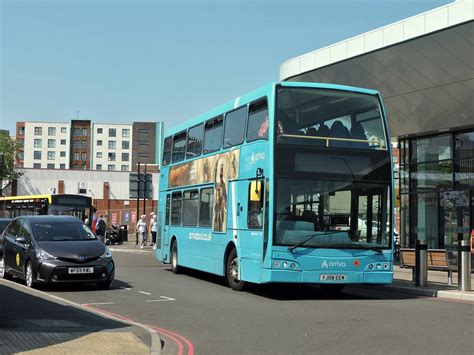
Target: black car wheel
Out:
[3,272]
[29,275]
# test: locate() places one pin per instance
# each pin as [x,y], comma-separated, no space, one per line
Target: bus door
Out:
[162,244]
[368,219]
[252,237]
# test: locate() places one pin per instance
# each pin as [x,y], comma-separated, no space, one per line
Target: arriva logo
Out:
[326,265]
[256,157]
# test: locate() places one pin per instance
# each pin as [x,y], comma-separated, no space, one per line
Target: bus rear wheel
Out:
[232,272]
[174,259]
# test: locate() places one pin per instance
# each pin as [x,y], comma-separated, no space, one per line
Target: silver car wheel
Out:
[2,267]
[29,275]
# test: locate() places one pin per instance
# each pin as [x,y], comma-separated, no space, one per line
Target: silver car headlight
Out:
[43,255]
[107,254]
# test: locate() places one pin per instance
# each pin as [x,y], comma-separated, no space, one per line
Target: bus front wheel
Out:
[232,272]
[174,259]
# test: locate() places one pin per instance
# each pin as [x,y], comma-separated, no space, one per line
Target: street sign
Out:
[137,184]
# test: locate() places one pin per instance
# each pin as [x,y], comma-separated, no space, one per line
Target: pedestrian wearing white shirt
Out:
[141,228]
[152,228]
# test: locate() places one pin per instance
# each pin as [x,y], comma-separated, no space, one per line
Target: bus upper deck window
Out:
[167,151]
[213,134]
[194,145]
[234,130]
[179,146]
[258,121]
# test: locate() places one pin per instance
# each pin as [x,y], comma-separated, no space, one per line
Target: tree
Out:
[8,155]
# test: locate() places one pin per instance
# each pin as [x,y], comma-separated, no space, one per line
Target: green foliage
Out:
[8,149]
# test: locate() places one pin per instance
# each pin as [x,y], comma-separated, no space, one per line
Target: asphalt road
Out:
[278,319]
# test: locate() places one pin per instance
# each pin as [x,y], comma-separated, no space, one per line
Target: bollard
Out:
[464,265]
[421,263]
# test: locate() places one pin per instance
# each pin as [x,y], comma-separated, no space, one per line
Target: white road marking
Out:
[126,288]
[145,293]
[95,304]
[163,299]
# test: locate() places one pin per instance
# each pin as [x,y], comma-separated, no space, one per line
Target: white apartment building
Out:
[111,147]
[46,145]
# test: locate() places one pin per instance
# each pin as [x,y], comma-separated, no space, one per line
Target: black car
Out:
[55,249]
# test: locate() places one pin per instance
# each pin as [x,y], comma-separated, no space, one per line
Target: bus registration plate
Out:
[332,277]
[81,270]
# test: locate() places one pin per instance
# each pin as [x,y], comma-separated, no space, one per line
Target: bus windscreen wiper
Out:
[377,250]
[311,236]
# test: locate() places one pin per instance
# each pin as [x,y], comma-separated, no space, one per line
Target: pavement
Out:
[35,322]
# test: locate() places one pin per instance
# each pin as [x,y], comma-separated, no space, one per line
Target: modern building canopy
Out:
[423,66]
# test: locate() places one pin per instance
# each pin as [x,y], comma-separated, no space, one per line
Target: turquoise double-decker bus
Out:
[291,183]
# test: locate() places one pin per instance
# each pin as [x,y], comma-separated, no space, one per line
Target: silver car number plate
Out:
[81,270]
[332,277]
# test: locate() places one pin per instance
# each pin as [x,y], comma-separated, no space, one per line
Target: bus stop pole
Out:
[464,265]
[421,263]
[138,205]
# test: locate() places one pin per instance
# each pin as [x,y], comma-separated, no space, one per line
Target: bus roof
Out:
[255,95]
[25,197]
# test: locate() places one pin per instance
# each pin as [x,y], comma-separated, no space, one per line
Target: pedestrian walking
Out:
[141,228]
[152,228]
[101,227]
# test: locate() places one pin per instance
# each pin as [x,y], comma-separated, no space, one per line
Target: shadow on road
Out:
[29,321]
[294,292]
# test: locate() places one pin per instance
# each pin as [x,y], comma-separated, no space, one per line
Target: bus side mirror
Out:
[255,191]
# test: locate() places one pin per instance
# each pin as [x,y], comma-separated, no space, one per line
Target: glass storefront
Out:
[437,189]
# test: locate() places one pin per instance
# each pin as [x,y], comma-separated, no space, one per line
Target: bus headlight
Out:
[107,254]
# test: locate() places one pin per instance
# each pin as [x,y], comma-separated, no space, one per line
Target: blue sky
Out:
[122,61]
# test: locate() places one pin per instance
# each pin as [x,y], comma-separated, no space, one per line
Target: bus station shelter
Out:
[423,66]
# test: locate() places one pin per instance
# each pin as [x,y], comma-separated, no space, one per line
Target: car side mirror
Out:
[21,240]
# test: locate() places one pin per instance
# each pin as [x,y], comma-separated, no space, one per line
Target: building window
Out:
[21,155]
[76,155]
[51,131]
[194,145]
[51,155]
[84,156]
[50,166]
[143,142]
[63,142]
[111,167]
[62,154]
[190,208]
[76,166]
[112,144]
[112,132]
[143,155]
[84,132]
[21,131]
[37,166]
[213,134]
[77,144]
[84,144]
[125,156]
[98,167]
[125,145]
[125,168]
[126,133]
[100,130]
[37,155]
[37,143]
[51,143]
[112,157]
[21,142]
[77,133]
[144,130]
[62,166]
[38,131]
[63,129]
[99,143]
[98,155]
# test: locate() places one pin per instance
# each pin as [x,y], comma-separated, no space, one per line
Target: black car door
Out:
[23,248]
[10,249]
